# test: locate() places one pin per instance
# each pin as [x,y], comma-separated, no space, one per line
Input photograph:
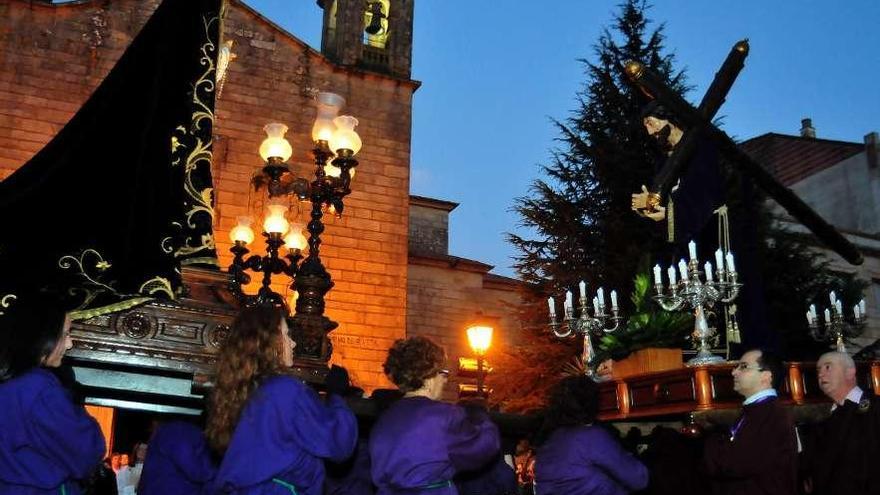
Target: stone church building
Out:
[388,255]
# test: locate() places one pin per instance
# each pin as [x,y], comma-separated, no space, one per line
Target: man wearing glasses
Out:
[843,456]
[758,454]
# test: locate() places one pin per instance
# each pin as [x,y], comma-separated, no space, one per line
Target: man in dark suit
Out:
[842,456]
[758,454]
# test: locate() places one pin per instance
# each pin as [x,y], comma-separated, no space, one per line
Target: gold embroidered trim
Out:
[85,314]
[157,284]
[5,300]
[200,261]
[198,201]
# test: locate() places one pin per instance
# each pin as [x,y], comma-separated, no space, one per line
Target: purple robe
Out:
[46,440]
[418,445]
[178,462]
[496,478]
[586,460]
[284,433]
[351,477]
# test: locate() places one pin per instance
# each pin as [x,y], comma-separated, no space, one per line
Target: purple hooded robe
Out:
[47,443]
[419,444]
[284,433]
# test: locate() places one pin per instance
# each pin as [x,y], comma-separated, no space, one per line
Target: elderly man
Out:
[843,458]
[758,454]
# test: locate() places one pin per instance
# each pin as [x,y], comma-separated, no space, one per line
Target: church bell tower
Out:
[373,35]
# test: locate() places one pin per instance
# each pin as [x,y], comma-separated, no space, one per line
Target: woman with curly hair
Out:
[48,444]
[575,455]
[419,443]
[272,430]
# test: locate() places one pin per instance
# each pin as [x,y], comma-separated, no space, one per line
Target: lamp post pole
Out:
[480,374]
[336,144]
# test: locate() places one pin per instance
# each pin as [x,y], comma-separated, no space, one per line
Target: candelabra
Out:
[336,143]
[584,324]
[693,293]
[836,328]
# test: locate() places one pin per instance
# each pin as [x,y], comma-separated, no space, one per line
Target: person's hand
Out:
[640,206]
[640,200]
[337,381]
[605,369]
[656,215]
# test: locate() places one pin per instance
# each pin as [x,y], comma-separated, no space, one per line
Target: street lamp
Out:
[336,144]
[480,338]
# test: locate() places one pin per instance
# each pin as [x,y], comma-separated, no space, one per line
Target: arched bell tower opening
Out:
[374,35]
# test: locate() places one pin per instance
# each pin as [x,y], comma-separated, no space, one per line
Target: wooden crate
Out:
[647,361]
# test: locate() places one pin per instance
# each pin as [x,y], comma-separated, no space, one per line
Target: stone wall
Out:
[445,294]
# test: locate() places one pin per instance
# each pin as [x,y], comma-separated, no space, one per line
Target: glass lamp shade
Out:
[295,238]
[275,145]
[275,223]
[329,105]
[334,171]
[480,338]
[243,231]
[345,137]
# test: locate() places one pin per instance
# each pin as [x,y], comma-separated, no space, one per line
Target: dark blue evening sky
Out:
[495,72]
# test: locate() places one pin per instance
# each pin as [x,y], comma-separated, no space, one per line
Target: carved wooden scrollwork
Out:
[136,325]
[218,335]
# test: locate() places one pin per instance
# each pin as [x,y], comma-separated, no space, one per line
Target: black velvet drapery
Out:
[122,196]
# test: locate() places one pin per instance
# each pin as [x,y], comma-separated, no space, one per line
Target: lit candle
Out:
[568,304]
[583,287]
[671,272]
[600,294]
[813,309]
[809,318]
[552,307]
[683,270]
[856,311]
[595,306]
[719,259]
[730,266]
[658,278]
[832,297]
[692,250]
[862,307]
[614,300]
[827,315]
[708,268]
[838,307]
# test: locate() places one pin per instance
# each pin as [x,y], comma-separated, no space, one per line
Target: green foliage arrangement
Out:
[648,326]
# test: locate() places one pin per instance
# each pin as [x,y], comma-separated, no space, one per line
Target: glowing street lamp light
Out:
[480,338]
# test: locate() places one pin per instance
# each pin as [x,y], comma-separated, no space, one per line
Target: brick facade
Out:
[446,293]
[53,56]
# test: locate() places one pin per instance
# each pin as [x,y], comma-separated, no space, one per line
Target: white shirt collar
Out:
[767,392]
[854,395]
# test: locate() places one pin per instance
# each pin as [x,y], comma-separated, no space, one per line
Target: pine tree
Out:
[583,227]
[580,214]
